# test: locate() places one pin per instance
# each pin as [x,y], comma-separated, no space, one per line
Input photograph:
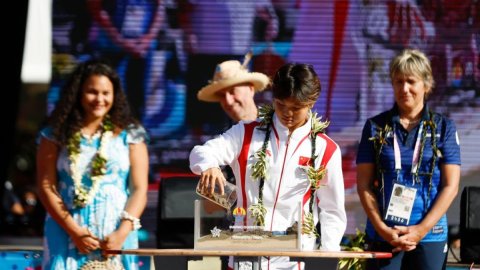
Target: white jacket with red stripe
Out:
[286,184]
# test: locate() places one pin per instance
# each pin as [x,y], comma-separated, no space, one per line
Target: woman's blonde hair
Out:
[413,62]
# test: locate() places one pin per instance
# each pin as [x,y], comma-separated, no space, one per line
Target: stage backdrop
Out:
[166,51]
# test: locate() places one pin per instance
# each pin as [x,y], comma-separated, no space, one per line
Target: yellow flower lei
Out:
[82,195]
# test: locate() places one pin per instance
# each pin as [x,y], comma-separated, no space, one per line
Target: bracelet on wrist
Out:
[135,221]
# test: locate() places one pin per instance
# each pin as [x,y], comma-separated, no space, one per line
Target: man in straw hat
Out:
[234,87]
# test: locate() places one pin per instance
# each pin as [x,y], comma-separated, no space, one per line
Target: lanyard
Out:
[416,150]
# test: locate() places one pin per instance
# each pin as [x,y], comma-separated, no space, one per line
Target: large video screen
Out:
[166,51]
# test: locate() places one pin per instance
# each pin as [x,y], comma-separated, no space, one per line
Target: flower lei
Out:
[379,140]
[259,168]
[82,195]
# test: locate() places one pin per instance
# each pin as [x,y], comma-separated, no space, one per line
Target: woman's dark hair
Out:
[299,81]
[66,119]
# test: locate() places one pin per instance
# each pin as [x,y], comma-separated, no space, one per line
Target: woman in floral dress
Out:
[92,177]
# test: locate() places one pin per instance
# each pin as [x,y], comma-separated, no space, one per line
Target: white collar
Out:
[297,134]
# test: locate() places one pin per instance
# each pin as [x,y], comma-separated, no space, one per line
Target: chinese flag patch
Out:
[304,161]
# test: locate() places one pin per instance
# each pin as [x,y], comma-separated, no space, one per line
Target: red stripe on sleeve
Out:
[329,149]
[242,161]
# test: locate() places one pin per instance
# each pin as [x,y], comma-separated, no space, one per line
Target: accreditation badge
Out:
[400,205]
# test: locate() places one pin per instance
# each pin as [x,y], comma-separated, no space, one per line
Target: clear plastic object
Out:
[225,200]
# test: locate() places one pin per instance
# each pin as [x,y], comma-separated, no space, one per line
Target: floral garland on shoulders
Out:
[260,170]
[82,195]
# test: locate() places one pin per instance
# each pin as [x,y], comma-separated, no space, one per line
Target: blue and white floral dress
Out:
[102,215]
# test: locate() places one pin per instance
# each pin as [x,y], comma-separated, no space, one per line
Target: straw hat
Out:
[230,73]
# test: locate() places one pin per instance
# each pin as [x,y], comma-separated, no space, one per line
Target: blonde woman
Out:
[408,171]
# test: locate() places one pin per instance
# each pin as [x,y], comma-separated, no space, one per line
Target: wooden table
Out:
[315,259]
[20,248]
